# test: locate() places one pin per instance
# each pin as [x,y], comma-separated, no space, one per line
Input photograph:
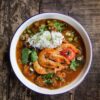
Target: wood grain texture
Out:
[14,12]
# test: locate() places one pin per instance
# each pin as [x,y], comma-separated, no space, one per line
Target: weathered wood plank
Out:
[3,48]
[19,11]
[88,14]
[14,12]
[89,89]
[60,6]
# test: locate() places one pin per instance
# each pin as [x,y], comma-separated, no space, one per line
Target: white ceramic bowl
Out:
[84,36]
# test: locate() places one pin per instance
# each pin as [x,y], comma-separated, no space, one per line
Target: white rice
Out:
[46,40]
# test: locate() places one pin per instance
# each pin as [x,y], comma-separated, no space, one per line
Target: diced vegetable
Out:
[73,32]
[73,65]
[59,79]
[29,31]
[70,39]
[48,76]
[80,58]
[37,24]
[30,63]
[25,55]
[31,69]
[22,37]
[75,39]
[68,33]
[48,81]
[42,28]
[25,31]
[68,53]
[48,21]
[80,48]
[34,56]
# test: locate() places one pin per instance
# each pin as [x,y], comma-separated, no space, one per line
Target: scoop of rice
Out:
[46,39]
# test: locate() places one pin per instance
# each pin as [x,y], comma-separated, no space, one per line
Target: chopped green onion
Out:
[68,33]
[48,81]
[73,32]
[70,39]
[80,58]
[58,26]
[48,76]
[74,65]
[29,31]
[59,79]
[42,28]
[75,39]
[31,69]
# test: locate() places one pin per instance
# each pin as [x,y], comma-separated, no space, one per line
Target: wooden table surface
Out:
[14,12]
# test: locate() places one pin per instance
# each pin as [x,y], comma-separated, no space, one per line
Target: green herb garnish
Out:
[73,65]
[48,81]
[59,79]
[34,56]
[58,26]
[25,55]
[42,28]
[70,39]
[48,76]
[29,31]
[80,59]
[73,32]
[75,39]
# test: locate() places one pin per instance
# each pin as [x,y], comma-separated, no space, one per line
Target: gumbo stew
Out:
[50,53]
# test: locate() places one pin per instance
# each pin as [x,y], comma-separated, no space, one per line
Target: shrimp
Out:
[61,74]
[44,59]
[39,69]
[68,51]
[26,72]
[60,67]
[39,81]
[67,45]
[59,58]
[50,60]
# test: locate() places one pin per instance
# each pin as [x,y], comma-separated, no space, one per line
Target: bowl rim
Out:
[84,75]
